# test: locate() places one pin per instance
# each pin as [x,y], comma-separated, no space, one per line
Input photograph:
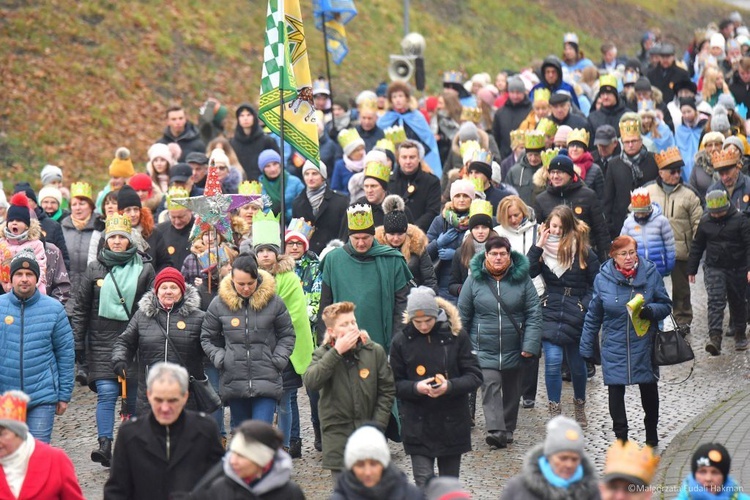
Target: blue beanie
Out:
[267,156]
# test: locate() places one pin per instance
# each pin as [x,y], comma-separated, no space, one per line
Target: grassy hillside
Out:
[80,78]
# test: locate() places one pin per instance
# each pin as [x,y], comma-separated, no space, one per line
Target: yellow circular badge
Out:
[99,282]
[746,198]
[364,373]
[578,210]
[411,189]
[714,455]
[181,325]
[421,370]
[235,322]
[170,250]
[9,320]
[571,435]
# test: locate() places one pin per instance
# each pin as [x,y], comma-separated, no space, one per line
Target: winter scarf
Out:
[354,166]
[455,219]
[703,161]
[315,197]
[634,163]
[695,490]
[497,273]
[584,164]
[17,238]
[124,270]
[628,273]
[556,480]
[139,242]
[551,247]
[79,223]
[273,190]
[55,216]
[16,465]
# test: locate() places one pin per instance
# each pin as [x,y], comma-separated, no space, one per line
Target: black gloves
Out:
[81,357]
[647,313]
[120,367]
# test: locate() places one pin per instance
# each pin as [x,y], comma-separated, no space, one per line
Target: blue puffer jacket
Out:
[36,343]
[626,357]
[493,335]
[655,239]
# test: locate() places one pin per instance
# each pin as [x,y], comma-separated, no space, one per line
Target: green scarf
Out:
[125,268]
[56,216]
[273,190]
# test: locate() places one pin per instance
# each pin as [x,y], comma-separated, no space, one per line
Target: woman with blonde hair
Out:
[445,122]
[714,85]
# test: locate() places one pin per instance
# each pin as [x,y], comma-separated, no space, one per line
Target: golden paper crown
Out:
[534,140]
[542,94]
[395,134]
[369,105]
[117,222]
[348,136]
[630,130]
[608,80]
[668,157]
[547,127]
[640,200]
[517,138]
[13,406]
[378,171]
[467,147]
[249,188]
[386,145]
[725,158]
[631,460]
[580,135]
[480,207]
[176,192]
[359,217]
[548,154]
[471,114]
[453,77]
[82,189]
[482,156]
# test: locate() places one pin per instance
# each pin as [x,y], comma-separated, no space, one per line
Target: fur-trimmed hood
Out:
[448,312]
[415,242]
[263,293]
[284,264]
[534,482]
[516,274]
[191,302]
[35,230]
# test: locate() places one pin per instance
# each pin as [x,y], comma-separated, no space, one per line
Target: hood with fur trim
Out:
[284,264]
[191,301]
[448,312]
[264,292]
[35,230]
[415,242]
[516,274]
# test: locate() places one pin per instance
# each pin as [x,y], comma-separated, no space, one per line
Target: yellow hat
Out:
[534,141]
[395,134]
[579,135]
[517,138]
[630,130]
[349,140]
[117,224]
[608,80]
[480,214]
[81,190]
[547,127]
[471,114]
[122,166]
[548,154]
[542,94]
[378,171]
[669,158]
[249,188]
[726,158]
[386,145]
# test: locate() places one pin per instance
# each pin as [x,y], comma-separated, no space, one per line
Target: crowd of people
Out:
[438,251]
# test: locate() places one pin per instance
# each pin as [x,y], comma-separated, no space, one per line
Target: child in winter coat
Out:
[709,477]
[21,232]
[651,229]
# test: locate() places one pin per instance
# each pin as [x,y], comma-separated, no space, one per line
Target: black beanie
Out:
[25,187]
[394,220]
[480,220]
[25,259]
[713,455]
[127,197]
[482,168]
[19,209]
[562,163]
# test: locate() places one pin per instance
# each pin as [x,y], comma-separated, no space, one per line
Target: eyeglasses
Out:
[295,243]
[631,253]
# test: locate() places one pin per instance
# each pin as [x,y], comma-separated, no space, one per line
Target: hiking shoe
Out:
[712,348]
[580,412]
[554,409]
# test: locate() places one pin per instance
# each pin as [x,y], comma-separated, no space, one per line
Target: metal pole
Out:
[406,17]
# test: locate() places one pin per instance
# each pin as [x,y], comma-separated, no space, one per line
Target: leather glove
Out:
[81,356]
[120,368]
[446,253]
[447,238]
[647,313]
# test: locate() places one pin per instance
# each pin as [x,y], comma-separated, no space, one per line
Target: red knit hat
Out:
[172,275]
[141,182]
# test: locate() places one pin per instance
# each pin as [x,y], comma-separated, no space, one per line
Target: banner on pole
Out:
[336,14]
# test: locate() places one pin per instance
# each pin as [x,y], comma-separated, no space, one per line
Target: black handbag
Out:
[671,348]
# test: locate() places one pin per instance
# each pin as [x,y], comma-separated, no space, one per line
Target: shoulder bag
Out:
[671,348]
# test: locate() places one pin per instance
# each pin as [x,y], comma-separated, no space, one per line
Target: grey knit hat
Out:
[422,302]
[563,434]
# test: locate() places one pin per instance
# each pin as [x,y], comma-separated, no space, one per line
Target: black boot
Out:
[317,444]
[295,447]
[104,454]
[473,407]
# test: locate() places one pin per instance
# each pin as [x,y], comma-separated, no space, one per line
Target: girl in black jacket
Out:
[480,229]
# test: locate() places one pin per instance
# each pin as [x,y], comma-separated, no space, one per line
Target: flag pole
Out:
[282,104]
[328,70]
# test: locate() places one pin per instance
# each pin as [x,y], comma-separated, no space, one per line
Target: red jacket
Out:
[50,476]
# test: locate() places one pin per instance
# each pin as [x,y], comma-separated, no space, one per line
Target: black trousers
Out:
[650,403]
[424,467]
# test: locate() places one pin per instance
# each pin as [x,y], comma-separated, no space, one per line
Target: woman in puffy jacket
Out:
[626,355]
[651,229]
[562,256]
[166,327]
[247,334]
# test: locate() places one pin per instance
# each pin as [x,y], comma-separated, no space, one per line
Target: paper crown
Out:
[478,184]
[579,135]
[117,222]
[320,86]
[608,80]
[548,154]
[266,229]
[717,200]
[534,140]
[301,226]
[482,156]
[668,157]
[468,147]
[640,200]
[5,257]
[570,38]
[386,145]
[517,138]
[480,207]
[629,459]
[359,217]
[547,127]
[176,192]
[348,136]
[645,105]
[471,114]
[395,134]
[725,158]
[542,94]
[82,189]
[453,77]
[378,171]
[630,130]
[13,405]
[249,188]
[368,104]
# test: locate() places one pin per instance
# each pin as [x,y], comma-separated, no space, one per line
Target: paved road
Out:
[485,472]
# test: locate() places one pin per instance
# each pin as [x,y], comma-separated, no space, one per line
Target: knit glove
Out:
[447,238]
[446,253]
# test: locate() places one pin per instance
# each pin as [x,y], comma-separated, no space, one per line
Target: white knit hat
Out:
[323,170]
[366,442]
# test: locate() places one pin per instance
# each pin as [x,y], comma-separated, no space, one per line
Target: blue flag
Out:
[335,14]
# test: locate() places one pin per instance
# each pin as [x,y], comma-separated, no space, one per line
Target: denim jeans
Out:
[40,420]
[553,357]
[213,377]
[284,408]
[252,408]
[294,431]
[107,391]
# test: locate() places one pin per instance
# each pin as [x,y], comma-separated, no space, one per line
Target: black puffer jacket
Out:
[78,242]
[585,205]
[97,335]
[726,241]
[248,147]
[567,298]
[145,335]
[248,340]
[435,427]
